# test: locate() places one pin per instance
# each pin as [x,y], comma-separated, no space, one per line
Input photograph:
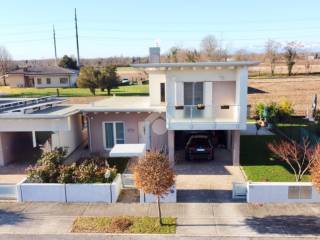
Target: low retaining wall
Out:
[149,198]
[282,192]
[55,192]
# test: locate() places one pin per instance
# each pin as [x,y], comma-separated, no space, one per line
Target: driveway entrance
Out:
[207,181]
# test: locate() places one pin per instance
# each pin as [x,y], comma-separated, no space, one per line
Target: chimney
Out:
[154,55]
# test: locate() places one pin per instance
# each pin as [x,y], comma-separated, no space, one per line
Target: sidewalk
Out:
[37,220]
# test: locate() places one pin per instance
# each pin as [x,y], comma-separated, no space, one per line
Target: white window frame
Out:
[114,133]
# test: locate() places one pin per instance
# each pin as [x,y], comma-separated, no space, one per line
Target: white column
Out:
[236,147]
[207,89]
[171,146]
[241,95]
[179,93]
[34,140]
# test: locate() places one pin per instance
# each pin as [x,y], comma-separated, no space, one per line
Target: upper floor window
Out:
[193,93]
[48,80]
[63,80]
[162,92]
[39,81]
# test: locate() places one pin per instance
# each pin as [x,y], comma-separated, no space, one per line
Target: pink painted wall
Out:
[130,120]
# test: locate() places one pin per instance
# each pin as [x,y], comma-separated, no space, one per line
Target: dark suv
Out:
[199,147]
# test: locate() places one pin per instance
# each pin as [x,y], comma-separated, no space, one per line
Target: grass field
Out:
[124,224]
[259,164]
[134,90]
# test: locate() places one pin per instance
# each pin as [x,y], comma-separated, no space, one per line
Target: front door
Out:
[144,133]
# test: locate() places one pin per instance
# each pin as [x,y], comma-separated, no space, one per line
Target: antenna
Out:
[76,25]
[55,46]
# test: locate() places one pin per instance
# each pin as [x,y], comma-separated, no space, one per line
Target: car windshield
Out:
[197,142]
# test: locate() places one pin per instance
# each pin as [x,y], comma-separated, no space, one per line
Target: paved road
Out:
[204,220]
[131,237]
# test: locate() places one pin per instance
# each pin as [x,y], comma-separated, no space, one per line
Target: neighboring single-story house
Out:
[42,77]
[28,125]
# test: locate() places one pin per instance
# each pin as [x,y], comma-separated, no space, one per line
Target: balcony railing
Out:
[208,114]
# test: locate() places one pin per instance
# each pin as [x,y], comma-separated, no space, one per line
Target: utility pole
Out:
[55,46]
[76,25]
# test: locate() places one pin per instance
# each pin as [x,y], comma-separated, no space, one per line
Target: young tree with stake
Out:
[154,175]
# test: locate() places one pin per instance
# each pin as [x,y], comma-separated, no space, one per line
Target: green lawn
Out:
[258,162]
[134,90]
[124,225]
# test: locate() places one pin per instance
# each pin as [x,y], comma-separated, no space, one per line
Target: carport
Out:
[31,126]
[220,139]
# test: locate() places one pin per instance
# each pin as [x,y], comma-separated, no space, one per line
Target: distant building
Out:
[42,77]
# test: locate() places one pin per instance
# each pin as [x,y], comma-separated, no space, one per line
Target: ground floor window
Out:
[113,134]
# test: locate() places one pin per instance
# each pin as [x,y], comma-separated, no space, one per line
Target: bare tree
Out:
[290,54]
[192,55]
[153,175]
[299,157]
[209,46]
[272,53]
[241,55]
[173,54]
[5,62]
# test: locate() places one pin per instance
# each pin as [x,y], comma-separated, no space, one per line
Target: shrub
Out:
[90,172]
[275,112]
[46,170]
[67,174]
[49,169]
[285,110]
[259,110]
[120,224]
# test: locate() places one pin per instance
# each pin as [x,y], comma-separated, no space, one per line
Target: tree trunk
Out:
[109,91]
[4,80]
[159,210]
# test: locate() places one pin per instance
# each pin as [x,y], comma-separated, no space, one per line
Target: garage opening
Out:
[191,146]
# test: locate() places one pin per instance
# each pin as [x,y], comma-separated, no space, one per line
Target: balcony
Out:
[209,117]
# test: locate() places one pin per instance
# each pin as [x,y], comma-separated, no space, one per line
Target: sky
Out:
[128,28]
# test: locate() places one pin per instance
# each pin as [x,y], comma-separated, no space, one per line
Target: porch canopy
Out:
[128,150]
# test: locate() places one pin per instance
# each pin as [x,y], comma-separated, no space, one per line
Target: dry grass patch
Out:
[125,224]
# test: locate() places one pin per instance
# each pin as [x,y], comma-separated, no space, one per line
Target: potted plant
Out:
[200,106]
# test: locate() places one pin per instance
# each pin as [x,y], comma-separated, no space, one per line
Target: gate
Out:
[127,180]
[239,190]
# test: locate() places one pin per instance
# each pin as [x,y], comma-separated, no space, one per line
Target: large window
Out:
[39,81]
[162,92]
[113,134]
[48,80]
[193,93]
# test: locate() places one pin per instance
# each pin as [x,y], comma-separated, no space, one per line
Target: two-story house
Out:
[185,99]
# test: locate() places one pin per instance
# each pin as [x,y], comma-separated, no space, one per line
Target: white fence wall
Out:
[54,192]
[149,198]
[282,192]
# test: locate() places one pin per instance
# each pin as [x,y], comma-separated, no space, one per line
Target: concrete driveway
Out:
[207,181]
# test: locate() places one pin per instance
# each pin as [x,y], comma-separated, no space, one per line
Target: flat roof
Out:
[197,64]
[123,104]
[128,150]
[44,107]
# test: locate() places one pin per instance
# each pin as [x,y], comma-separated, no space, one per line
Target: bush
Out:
[46,170]
[120,224]
[274,112]
[285,110]
[259,110]
[49,169]
[67,174]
